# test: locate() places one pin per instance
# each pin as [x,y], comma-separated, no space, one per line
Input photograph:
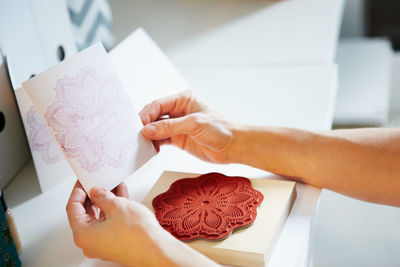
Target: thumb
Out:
[166,128]
[103,198]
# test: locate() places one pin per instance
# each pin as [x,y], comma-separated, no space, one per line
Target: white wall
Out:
[170,22]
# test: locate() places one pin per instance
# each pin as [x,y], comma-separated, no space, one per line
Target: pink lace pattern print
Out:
[92,120]
[210,206]
[40,138]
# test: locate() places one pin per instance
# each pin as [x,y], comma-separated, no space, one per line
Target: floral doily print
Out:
[92,119]
[40,138]
[210,206]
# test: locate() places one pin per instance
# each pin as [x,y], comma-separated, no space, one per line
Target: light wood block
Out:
[249,246]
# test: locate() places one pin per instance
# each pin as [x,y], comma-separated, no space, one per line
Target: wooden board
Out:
[249,246]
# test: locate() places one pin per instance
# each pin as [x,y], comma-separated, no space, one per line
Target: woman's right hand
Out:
[185,122]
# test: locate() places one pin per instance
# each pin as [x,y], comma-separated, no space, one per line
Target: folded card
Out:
[91,117]
[51,166]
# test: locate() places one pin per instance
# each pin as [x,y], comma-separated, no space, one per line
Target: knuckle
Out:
[196,120]
[165,125]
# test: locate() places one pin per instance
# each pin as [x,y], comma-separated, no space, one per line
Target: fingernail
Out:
[150,129]
[97,191]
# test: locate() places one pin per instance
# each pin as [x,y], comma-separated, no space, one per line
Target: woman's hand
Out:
[183,121]
[126,232]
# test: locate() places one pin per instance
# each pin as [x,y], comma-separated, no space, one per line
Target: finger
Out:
[121,190]
[158,143]
[104,199]
[164,129]
[156,109]
[76,211]
[174,105]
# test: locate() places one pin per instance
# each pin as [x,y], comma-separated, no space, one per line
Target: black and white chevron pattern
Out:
[91,22]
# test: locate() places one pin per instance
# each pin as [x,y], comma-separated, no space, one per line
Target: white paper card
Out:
[50,164]
[90,115]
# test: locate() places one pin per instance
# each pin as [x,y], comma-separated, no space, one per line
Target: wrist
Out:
[239,144]
[175,253]
[153,239]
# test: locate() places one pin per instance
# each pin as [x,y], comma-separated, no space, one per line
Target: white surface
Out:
[284,32]
[264,95]
[364,81]
[47,239]
[171,22]
[235,31]
[144,70]
[354,233]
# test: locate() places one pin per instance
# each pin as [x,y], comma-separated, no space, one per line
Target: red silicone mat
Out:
[210,206]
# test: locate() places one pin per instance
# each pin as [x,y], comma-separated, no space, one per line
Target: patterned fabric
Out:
[91,22]
[8,252]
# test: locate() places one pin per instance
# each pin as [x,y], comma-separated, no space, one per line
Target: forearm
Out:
[361,163]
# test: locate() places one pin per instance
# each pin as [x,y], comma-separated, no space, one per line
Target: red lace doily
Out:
[210,206]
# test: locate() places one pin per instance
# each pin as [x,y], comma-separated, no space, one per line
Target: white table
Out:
[47,239]
[42,222]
